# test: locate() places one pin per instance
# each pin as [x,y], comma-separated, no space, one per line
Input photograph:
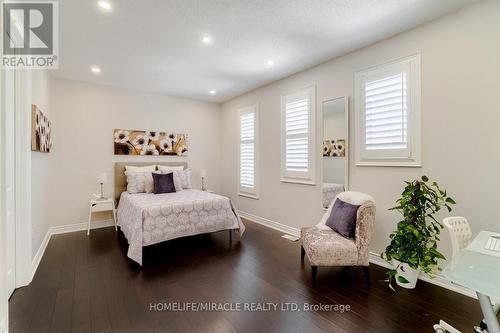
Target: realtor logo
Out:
[30,34]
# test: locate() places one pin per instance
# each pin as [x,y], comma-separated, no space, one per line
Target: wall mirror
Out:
[335,160]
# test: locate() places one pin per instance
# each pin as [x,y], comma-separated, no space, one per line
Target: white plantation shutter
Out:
[387,107]
[385,113]
[248,148]
[298,133]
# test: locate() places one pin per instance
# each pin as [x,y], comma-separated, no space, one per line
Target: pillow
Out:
[343,218]
[148,168]
[163,183]
[177,180]
[170,168]
[139,182]
[185,178]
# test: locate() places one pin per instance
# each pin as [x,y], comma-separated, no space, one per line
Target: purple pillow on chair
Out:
[343,218]
[163,183]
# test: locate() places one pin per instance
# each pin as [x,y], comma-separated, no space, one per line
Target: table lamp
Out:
[203,175]
[102,178]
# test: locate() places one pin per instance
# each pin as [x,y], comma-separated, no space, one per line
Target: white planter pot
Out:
[408,273]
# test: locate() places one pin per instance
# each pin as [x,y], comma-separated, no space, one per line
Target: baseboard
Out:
[63,229]
[39,254]
[55,230]
[374,257]
[438,280]
[270,224]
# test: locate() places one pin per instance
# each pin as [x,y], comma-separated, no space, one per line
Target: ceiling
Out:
[156,46]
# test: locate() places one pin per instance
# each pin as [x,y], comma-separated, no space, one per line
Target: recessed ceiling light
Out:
[95,70]
[206,39]
[270,62]
[212,92]
[106,5]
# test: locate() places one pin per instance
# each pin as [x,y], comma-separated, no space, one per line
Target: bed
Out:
[147,218]
[330,191]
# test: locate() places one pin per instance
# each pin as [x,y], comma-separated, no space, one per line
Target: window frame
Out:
[297,176]
[243,190]
[411,156]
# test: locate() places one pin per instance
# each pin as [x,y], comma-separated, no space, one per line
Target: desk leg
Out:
[90,217]
[489,315]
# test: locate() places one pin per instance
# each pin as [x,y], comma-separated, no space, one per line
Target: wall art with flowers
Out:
[153,143]
[41,131]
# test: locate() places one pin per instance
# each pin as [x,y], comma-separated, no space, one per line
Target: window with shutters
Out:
[387,111]
[298,111]
[248,157]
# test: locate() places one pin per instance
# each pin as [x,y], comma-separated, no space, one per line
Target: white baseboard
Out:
[270,224]
[39,254]
[374,257]
[62,229]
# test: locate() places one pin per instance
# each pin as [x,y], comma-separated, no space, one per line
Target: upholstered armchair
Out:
[326,247]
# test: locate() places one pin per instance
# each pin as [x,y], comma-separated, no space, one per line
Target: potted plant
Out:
[413,246]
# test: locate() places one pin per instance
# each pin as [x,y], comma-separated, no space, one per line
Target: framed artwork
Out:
[153,143]
[41,131]
[334,148]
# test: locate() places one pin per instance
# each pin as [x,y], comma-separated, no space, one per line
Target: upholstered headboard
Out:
[121,179]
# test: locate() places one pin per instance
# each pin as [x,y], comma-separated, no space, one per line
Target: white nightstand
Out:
[209,191]
[102,205]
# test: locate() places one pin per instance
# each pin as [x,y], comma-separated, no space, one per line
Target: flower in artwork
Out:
[121,136]
[165,144]
[153,135]
[141,141]
[149,150]
[182,151]
[172,137]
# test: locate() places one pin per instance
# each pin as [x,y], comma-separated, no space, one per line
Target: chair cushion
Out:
[328,248]
[343,218]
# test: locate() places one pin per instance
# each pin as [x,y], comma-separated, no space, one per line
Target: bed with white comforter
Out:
[147,218]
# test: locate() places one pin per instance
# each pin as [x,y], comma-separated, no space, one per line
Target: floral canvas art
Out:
[41,131]
[153,143]
[334,148]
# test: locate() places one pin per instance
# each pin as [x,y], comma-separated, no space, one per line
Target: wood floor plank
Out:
[87,284]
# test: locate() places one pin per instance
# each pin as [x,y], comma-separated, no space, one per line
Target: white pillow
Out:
[170,168]
[185,178]
[148,168]
[139,182]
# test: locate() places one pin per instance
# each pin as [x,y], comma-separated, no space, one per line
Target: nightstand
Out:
[209,191]
[101,205]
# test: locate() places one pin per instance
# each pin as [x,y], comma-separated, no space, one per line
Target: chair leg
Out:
[302,254]
[314,272]
[366,270]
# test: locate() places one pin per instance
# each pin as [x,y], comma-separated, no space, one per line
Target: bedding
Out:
[185,178]
[330,191]
[147,219]
[170,168]
[147,168]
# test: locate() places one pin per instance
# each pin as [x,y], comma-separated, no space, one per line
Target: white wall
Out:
[460,125]
[40,167]
[84,117]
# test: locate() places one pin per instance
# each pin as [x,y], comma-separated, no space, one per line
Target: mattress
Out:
[147,218]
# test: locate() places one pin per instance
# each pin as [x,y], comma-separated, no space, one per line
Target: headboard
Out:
[121,179]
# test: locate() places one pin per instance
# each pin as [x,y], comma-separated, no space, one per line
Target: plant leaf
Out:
[402,279]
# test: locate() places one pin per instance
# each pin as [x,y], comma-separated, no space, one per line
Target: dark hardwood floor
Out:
[87,284]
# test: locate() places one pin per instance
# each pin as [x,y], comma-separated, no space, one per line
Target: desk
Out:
[479,269]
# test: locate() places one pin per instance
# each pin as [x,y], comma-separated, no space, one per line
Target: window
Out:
[298,111]
[248,151]
[387,110]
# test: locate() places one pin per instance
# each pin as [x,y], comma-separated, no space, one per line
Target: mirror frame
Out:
[348,142]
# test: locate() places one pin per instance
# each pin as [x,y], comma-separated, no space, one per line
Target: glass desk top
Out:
[477,268]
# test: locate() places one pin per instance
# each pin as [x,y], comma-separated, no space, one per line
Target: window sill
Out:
[246,195]
[298,181]
[390,163]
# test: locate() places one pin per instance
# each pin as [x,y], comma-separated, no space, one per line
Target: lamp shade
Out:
[203,173]
[102,178]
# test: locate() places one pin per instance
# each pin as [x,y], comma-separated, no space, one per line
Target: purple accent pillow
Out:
[163,183]
[343,218]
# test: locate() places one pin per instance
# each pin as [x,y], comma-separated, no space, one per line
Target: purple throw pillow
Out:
[163,183]
[343,218]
